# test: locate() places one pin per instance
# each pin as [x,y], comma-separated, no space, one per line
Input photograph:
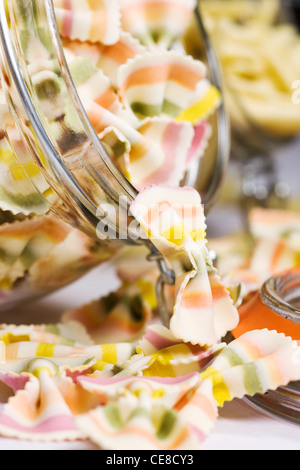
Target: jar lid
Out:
[275,307]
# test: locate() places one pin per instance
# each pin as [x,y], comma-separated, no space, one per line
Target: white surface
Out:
[239,428]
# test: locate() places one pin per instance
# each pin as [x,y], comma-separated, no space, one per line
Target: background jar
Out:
[258,43]
[276,307]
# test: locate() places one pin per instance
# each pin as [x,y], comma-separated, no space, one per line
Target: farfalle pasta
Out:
[276,224]
[174,220]
[170,357]
[258,89]
[119,400]
[121,316]
[256,362]
[89,21]
[23,189]
[146,419]
[202,135]
[66,333]
[105,76]
[273,247]
[249,365]
[166,158]
[44,399]
[44,406]
[265,11]
[157,22]
[108,58]
[151,146]
[93,85]
[45,253]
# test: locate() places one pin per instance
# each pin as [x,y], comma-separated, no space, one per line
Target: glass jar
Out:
[276,307]
[57,164]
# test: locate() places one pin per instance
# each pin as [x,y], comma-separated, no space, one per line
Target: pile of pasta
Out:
[259,55]
[110,372]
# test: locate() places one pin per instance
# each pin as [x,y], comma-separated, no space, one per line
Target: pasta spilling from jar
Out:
[110,371]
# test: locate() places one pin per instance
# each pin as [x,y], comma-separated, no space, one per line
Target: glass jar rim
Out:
[279,293]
